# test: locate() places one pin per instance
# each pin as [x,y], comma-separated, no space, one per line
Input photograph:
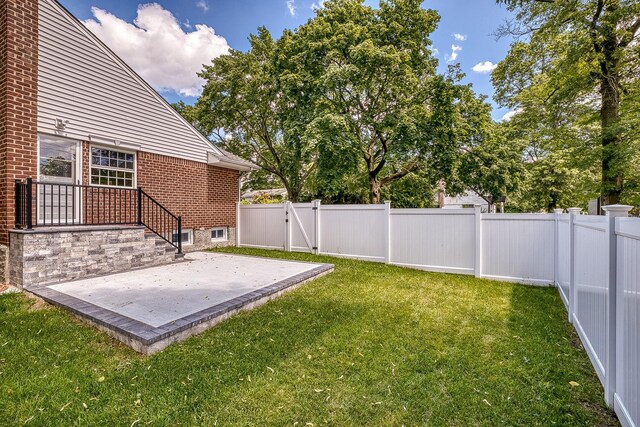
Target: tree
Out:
[576,53]
[378,95]
[245,109]
[490,164]
[560,168]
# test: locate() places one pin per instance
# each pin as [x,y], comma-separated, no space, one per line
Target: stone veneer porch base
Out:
[58,254]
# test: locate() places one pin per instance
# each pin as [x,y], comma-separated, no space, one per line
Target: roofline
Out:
[133,74]
[228,163]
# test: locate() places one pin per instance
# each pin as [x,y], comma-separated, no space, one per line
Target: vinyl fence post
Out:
[238,221]
[387,232]
[315,205]
[287,227]
[612,212]
[556,246]
[478,241]
[572,261]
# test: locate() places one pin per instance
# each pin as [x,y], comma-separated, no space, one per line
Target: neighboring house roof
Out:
[278,192]
[104,101]
[468,198]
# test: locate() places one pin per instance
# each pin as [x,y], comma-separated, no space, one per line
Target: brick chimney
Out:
[18,103]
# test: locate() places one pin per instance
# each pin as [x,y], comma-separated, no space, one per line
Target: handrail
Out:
[60,204]
[154,201]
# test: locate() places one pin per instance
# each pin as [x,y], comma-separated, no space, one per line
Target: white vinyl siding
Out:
[83,82]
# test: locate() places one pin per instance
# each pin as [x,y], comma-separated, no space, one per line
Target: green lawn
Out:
[366,345]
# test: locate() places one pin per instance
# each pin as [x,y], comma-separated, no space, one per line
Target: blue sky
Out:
[475,20]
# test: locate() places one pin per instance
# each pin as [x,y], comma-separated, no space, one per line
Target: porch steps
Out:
[161,243]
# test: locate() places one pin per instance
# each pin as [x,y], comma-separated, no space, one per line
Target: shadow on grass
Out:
[539,321]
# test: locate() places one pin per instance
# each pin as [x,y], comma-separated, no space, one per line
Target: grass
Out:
[366,345]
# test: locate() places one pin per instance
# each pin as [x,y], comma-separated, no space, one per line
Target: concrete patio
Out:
[148,309]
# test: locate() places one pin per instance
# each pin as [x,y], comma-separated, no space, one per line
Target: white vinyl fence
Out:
[593,260]
[516,248]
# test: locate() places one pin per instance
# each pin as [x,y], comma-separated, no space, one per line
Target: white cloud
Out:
[158,49]
[318,5]
[509,115]
[203,4]
[291,5]
[460,37]
[454,53]
[484,67]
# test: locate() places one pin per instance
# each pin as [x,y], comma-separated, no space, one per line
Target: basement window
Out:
[112,168]
[187,237]
[219,234]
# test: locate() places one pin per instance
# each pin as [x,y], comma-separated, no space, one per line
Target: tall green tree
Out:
[576,52]
[379,96]
[245,109]
[490,163]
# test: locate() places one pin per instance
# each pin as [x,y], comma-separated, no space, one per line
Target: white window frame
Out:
[134,171]
[77,172]
[225,234]
[189,240]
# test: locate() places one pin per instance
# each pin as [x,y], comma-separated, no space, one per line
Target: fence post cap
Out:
[387,202]
[558,210]
[617,210]
[574,210]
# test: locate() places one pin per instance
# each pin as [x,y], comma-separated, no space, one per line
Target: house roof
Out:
[85,85]
[230,160]
[280,192]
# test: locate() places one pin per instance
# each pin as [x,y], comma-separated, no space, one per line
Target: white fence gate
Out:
[593,260]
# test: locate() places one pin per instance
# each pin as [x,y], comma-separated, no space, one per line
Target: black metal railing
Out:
[40,204]
[159,220]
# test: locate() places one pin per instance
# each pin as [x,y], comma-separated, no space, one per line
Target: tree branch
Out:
[631,34]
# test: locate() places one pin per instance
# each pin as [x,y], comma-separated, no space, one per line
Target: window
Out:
[187,237]
[57,159]
[112,168]
[218,234]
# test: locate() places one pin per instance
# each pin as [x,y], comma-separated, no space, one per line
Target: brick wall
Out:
[18,101]
[204,195]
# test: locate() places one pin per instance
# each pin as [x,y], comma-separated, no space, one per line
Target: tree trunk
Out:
[293,194]
[612,178]
[374,190]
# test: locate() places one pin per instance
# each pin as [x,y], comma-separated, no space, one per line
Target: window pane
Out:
[116,167]
[56,167]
